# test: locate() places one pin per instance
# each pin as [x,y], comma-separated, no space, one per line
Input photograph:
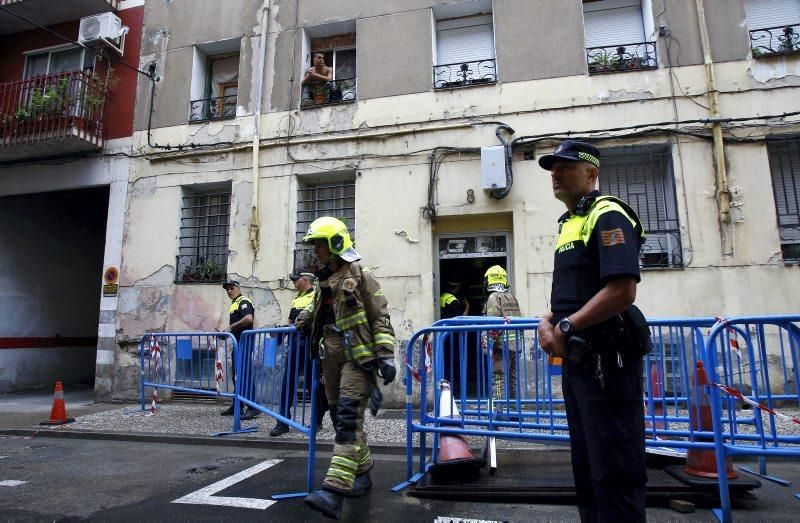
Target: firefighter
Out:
[449,302]
[299,363]
[502,303]
[601,336]
[355,341]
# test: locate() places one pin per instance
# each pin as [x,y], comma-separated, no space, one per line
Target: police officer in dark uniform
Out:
[450,303]
[241,313]
[595,273]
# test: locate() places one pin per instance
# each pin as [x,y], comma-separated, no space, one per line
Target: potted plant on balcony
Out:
[321,92]
[204,271]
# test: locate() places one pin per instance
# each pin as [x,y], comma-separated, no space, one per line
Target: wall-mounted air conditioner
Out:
[99,28]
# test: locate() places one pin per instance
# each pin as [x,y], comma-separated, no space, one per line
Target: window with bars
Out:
[314,200]
[642,176]
[784,166]
[205,222]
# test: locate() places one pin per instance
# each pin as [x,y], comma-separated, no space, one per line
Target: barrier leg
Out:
[762,472]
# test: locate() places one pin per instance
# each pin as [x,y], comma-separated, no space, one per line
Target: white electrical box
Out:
[99,28]
[493,167]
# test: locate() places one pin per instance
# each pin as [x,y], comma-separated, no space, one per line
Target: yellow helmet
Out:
[335,232]
[496,274]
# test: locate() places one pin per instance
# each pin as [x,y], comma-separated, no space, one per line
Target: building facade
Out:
[66,130]
[237,149]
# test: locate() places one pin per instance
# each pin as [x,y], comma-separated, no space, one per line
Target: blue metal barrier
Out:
[274,363]
[528,407]
[186,361]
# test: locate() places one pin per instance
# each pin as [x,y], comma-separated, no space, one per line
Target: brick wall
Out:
[333,42]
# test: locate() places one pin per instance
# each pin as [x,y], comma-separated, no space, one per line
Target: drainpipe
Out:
[720,170]
[259,88]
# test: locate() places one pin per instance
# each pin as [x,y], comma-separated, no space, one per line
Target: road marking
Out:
[11,483]
[205,496]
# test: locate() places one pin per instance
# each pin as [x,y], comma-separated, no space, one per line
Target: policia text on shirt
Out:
[595,274]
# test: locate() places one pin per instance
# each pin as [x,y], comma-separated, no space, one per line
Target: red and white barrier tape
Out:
[733,337]
[426,341]
[738,395]
[219,369]
[155,354]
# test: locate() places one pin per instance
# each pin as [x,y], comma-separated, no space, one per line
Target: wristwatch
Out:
[565,326]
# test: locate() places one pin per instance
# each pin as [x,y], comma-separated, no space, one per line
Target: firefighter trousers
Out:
[348,388]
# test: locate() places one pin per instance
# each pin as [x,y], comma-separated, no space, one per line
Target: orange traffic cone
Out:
[455,459]
[703,462]
[657,394]
[58,414]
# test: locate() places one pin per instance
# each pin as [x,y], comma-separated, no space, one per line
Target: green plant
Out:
[204,270]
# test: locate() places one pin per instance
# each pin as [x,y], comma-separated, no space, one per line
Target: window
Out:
[205,221]
[615,37]
[642,176]
[55,61]
[219,75]
[338,53]
[464,47]
[774,26]
[323,198]
[784,165]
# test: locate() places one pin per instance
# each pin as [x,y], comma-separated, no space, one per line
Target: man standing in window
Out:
[351,327]
[241,314]
[595,273]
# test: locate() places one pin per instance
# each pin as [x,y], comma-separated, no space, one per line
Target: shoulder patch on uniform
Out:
[244,305]
[612,237]
[379,292]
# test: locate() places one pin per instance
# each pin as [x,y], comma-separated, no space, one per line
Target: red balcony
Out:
[53,115]
[49,12]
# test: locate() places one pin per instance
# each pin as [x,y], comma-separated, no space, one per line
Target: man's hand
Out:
[386,370]
[551,339]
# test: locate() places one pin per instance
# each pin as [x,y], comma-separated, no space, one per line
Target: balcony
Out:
[465,74]
[49,12]
[774,41]
[639,56]
[328,93]
[53,115]
[215,108]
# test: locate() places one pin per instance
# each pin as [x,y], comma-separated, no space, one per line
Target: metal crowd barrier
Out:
[530,406]
[187,362]
[279,378]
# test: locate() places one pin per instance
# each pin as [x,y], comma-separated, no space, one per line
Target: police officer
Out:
[450,304]
[502,303]
[241,313]
[351,327]
[301,362]
[595,273]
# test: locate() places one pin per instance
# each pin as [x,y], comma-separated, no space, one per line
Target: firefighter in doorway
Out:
[503,344]
[355,341]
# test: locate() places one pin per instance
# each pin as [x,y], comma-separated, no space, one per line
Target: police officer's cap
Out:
[230,283]
[296,275]
[571,150]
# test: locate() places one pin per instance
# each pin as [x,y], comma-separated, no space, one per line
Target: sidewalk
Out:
[27,409]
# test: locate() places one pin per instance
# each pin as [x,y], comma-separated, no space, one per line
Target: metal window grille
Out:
[784,165]
[337,199]
[205,222]
[642,176]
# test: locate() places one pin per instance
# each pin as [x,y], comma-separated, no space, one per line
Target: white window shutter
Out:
[37,65]
[762,14]
[464,44]
[617,26]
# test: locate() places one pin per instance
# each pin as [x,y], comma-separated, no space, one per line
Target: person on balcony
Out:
[319,79]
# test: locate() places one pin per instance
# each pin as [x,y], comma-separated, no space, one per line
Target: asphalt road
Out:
[79,479]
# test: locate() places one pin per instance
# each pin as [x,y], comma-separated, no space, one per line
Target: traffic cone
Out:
[703,462]
[657,394]
[455,459]
[58,414]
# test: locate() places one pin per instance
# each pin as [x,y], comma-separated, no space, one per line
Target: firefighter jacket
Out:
[300,313]
[503,304]
[360,311]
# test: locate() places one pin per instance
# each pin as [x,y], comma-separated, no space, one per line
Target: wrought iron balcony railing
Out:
[208,267]
[618,58]
[465,74]
[52,114]
[775,41]
[215,108]
[329,93]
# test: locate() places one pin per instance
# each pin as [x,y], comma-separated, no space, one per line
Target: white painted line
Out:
[205,496]
[11,483]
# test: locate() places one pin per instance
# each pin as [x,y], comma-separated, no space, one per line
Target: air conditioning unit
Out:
[99,28]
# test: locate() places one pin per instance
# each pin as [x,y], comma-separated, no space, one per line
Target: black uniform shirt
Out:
[240,307]
[591,250]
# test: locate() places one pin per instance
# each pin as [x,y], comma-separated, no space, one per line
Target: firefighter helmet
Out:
[496,274]
[334,231]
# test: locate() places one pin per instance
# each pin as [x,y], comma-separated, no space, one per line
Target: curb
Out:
[187,439]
